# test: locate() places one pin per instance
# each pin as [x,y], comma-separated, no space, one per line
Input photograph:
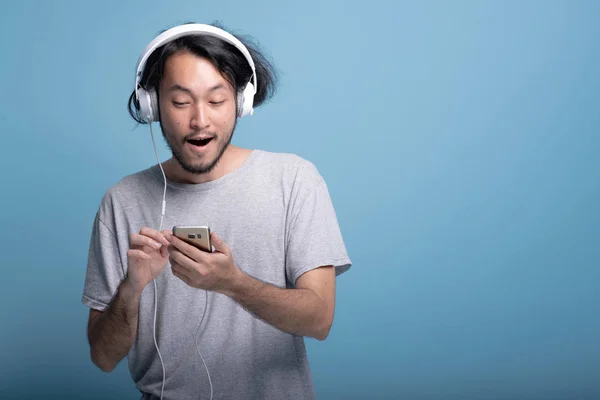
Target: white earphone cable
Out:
[164,202]
[155,289]
[198,349]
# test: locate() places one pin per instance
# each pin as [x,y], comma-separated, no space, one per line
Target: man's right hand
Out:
[147,256]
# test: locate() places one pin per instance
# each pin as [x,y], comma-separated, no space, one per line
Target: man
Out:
[227,324]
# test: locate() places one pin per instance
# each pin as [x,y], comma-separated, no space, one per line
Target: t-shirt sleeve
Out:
[105,270]
[314,238]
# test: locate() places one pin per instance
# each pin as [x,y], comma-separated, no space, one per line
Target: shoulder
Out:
[126,192]
[292,168]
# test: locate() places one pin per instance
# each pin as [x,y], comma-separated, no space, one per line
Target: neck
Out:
[232,159]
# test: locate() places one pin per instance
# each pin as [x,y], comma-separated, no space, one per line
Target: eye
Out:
[179,104]
[217,103]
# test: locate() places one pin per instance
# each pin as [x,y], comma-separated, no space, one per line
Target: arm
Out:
[112,332]
[306,310]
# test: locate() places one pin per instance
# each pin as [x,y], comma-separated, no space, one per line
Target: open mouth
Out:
[199,142]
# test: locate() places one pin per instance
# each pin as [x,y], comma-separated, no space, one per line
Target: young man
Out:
[227,324]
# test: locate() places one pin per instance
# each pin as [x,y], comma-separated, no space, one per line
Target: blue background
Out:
[460,142]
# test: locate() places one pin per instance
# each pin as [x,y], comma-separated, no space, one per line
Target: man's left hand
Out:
[200,269]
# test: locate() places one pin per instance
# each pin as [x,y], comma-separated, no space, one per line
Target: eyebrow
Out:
[189,91]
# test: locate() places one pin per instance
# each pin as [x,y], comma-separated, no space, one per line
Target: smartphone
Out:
[198,236]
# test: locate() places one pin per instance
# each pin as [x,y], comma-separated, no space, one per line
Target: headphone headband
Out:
[190,29]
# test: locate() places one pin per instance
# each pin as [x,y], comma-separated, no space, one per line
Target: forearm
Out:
[111,334]
[299,311]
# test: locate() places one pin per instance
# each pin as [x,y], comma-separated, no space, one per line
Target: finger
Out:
[192,252]
[218,243]
[181,274]
[133,253]
[167,234]
[164,251]
[154,234]
[178,258]
[141,240]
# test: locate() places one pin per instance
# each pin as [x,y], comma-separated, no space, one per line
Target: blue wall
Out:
[460,142]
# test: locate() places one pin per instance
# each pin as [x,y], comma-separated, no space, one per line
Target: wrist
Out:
[129,289]
[234,283]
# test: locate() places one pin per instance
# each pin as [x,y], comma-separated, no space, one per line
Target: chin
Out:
[199,162]
[198,167]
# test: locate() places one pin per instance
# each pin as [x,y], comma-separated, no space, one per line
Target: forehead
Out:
[189,70]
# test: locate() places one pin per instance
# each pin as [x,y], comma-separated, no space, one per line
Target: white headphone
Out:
[148,101]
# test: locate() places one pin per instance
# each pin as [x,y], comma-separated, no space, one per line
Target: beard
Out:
[197,168]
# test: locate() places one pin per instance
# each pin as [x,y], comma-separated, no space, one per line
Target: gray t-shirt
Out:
[276,215]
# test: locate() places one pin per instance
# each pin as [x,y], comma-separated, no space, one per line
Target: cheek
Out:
[222,121]
[226,115]
[172,122]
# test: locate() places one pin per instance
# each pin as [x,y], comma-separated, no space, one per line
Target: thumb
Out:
[218,243]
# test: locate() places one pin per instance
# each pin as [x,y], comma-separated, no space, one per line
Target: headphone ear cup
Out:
[246,100]
[144,105]
[154,105]
[240,103]
[148,102]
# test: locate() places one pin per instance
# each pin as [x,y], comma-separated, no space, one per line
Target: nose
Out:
[199,118]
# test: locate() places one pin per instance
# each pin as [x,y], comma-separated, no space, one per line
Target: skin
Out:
[195,99]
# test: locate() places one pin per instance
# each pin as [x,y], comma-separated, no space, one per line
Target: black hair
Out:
[224,56]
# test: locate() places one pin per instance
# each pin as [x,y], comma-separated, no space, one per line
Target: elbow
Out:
[324,322]
[322,331]
[106,368]
[321,335]
[100,362]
